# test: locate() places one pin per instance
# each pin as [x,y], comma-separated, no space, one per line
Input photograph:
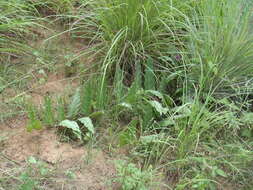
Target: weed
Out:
[16,19]
[34,121]
[49,118]
[61,110]
[130,177]
[85,133]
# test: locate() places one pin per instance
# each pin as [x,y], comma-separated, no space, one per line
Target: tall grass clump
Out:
[128,32]
[53,7]
[220,45]
[16,19]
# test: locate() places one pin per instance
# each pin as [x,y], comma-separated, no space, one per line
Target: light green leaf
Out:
[44,171]
[152,138]
[247,117]
[246,133]
[32,160]
[155,93]
[88,124]
[167,122]
[126,105]
[73,126]
[221,173]
[158,107]
[96,115]
[36,124]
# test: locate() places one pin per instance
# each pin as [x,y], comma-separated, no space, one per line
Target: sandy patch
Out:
[93,169]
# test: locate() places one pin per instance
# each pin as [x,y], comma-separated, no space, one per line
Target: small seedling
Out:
[132,178]
[48,113]
[34,122]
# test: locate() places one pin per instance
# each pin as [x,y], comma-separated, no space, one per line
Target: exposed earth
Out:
[90,168]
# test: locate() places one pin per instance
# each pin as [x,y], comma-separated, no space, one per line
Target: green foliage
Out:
[220,45]
[48,112]
[85,132]
[132,178]
[34,122]
[128,33]
[74,106]
[29,182]
[173,76]
[16,19]
[87,122]
[73,126]
[128,136]
[61,111]
[102,97]
[88,93]
[149,77]
[53,7]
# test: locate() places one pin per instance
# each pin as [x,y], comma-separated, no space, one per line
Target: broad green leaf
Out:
[155,93]
[126,105]
[158,107]
[221,173]
[88,124]
[73,126]
[96,115]
[167,122]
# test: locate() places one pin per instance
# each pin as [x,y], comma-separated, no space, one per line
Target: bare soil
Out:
[93,169]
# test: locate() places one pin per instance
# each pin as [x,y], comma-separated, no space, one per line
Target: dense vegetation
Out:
[170,81]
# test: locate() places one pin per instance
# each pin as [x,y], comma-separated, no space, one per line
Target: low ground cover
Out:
[141,94]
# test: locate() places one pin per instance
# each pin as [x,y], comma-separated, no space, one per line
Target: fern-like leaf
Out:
[74,106]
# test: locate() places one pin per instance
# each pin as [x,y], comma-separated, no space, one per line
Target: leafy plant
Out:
[34,122]
[132,178]
[88,93]
[61,111]
[27,177]
[78,131]
[48,112]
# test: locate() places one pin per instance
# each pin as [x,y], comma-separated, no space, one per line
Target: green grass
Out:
[170,82]
[220,51]
[16,18]
[126,33]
